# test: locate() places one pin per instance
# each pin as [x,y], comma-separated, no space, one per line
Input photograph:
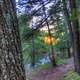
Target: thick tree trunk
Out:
[76,35]
[11,67]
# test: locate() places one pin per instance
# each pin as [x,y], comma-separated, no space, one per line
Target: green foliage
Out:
[26,33]
[61,61]
[71,75]
[62,34]
[40,47]
[26,50]
[24,19]
[74,15]
[44,66]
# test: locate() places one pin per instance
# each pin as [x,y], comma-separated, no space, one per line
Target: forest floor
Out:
[56,73]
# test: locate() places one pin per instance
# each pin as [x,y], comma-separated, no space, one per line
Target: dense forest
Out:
[39,40]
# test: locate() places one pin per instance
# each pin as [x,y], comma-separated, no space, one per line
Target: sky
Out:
[16,0]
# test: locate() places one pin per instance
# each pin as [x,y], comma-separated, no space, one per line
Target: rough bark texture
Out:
[11,67]
[76,35]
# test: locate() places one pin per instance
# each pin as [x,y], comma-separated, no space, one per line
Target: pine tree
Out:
[11,67]
[76,34]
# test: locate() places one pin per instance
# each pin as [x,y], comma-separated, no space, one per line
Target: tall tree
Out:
[11,67]
[66,13]
[52,57]
[76,34]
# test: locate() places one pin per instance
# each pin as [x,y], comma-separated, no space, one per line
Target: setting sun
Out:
[49,40]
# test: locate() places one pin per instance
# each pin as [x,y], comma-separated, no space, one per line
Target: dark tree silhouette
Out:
[76,34]
[68,20]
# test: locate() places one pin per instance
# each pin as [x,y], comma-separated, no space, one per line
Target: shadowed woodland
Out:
[39,40]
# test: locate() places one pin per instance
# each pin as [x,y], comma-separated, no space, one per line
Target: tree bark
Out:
[52,57]
[76,35]
[11,67]
[33,52]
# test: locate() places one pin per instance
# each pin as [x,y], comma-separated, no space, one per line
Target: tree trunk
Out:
[68,49]
[63,53]
[33,52]
[11,67]
[66,13]
[76,35]
[52,57]
[69,53]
